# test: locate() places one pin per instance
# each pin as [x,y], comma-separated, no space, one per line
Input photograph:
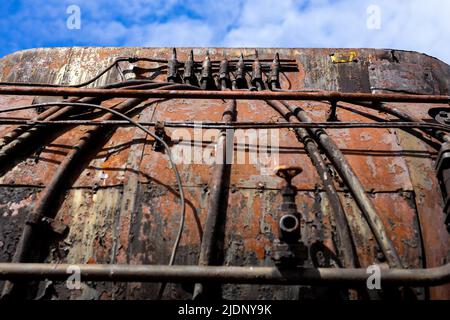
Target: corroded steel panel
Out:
[123,207]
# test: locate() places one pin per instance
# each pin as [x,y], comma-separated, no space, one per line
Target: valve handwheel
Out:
[287,173]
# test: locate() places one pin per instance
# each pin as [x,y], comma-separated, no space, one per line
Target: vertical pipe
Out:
[217,205]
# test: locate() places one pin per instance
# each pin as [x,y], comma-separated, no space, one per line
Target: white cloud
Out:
[181,33]
[411,25]
[405,24]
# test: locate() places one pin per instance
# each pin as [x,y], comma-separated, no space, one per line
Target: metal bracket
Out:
[160,133]
[55,226]
[443,175]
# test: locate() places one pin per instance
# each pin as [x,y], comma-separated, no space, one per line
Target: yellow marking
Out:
[343,57]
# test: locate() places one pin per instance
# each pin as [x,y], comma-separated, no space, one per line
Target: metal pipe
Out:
[9,151]
[345,246]
[54,113]
[48,199]
[236,125]
[246,95]
[289,228]
[404,116]
[172,68]
[218,196]
[222,274]
[47,113]
[189,70]
[348,175]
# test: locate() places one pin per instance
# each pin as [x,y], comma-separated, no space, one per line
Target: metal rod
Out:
[222,274]
[236,125]
[132,84]
[348,175]
[24,137]
[218,196]
[246,95]
[405,116]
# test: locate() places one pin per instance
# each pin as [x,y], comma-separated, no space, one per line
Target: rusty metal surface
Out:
[123,207]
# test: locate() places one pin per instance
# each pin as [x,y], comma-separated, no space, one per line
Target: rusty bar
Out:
[348,175]
[237,125]
[218,197]
[26,132]
[221,274]
[246,95]
[49,112]
[10,150]
[403,116]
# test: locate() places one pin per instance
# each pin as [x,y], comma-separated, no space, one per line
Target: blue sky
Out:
[404,24]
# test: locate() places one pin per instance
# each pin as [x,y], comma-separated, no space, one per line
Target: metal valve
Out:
[189,70]
[206,75]
[257,79]
[224,76]
[288,173]
[288,249]
[172,68]
[239,81]
[274,77]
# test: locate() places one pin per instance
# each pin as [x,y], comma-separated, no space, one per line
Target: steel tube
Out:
[218,196]
[49,112]
[10,150]
[246,95]
[48,201]
[345,248]
[351,180]
[237,125]
[405,117]
[221,274]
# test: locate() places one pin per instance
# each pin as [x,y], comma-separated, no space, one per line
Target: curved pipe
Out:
[11,150]
[83,84]
[45,206]
[348,175]
[55,112]
[346,247]
[404,116]
[250,275]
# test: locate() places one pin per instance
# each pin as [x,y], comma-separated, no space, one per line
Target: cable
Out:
[236,125]
[83,84]
[166,147]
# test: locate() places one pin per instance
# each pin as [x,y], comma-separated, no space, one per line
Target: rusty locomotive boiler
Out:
[146,173]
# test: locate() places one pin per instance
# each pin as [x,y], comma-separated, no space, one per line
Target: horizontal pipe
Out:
[237,125]
[222,274]
[246,95]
